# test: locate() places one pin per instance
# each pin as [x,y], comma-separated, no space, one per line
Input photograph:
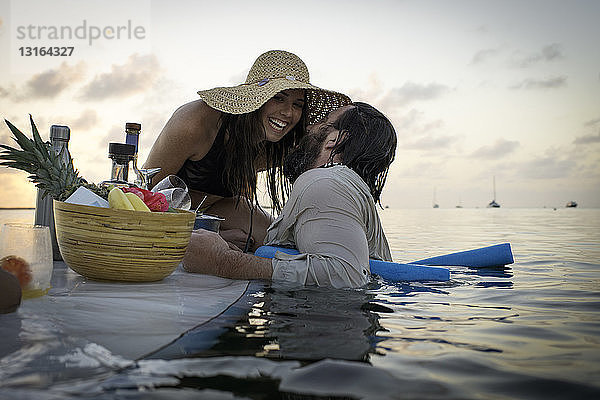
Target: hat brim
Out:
[246,98]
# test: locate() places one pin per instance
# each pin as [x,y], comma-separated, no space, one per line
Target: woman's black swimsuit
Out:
[207,175]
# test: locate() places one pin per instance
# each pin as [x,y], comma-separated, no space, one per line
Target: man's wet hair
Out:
[366,144]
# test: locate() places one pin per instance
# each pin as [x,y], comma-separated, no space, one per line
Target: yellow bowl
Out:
[121,245]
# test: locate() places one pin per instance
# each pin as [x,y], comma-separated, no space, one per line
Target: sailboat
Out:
[435,204]
[493,203]
[459,203]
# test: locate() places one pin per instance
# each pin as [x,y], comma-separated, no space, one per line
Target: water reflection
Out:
[493,277]
[400,289]
[496,272]
[312,323]
[300,324]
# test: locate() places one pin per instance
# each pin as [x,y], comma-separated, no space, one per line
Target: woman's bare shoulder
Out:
[193,122]
[196,114]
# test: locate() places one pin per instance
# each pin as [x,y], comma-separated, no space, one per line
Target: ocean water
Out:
[530,330]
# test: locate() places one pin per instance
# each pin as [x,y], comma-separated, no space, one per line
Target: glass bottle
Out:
[44,212]
[120,154]
[132,136]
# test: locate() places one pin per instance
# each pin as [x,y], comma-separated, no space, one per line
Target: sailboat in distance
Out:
[435,204]
[459,205]
[493,203]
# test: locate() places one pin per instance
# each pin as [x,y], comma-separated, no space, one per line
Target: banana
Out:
[117,199]
[136,202]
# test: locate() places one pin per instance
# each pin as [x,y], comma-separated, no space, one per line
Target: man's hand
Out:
[208,253]
[205,250]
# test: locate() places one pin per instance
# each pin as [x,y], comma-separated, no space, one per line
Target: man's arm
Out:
[208,253]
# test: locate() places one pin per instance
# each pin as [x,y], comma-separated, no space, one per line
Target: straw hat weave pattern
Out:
[273,72]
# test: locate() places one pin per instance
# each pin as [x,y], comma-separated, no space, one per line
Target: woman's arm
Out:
[189,134]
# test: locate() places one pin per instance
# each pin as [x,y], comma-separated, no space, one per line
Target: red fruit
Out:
[147,194]
[18,267]
[134,190]
[158,202]
[142,193]
[154,201]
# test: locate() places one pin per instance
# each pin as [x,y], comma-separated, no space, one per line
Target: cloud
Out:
[483,55]
[547,167]
[135,76]
[369,92]
[114,134]
[419,169]
[548,83]
[430,142]
[552,52]
[587,139]
[482,29]
[11,92]
[411,92]
[4,92]
[413,122]
[592,122]
[86,120]
[52,82]
[549,53]
[414,132]
[499,149]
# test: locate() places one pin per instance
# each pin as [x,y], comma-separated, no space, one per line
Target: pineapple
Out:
[46,169]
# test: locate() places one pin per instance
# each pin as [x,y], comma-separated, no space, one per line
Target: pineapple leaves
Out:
[39,143]
[20,138]
[50,172]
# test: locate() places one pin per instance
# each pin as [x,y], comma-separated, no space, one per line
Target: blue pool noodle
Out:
[491,256]
[427,269]
[387,270]
[392,271]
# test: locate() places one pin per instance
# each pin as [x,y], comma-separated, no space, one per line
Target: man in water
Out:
[338,171]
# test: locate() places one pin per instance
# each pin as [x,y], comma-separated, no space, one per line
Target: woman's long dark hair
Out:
[245,145]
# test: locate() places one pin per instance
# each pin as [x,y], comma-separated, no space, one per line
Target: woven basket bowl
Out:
[121,245]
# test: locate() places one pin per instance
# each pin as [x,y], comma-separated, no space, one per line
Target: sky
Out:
[475,89]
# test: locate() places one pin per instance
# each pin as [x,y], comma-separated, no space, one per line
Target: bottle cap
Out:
[133,126]
[60,132]
[121,149]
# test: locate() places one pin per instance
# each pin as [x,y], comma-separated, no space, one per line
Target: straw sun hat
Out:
[272,72]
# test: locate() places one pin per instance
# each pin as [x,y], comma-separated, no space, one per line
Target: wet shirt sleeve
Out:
[329,232]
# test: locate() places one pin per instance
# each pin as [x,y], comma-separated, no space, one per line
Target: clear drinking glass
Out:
[175,190]
[33,245]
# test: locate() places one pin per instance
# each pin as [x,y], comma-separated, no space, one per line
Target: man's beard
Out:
[303,157]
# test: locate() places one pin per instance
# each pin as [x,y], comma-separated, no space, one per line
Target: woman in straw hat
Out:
[219,143]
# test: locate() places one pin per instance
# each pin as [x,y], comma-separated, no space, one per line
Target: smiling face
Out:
[281,113]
